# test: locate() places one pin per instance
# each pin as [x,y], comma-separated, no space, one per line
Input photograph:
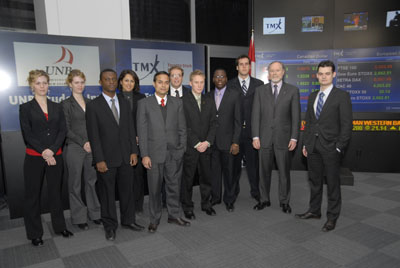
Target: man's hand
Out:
[51,161]
[202,147]
[292,145]
[146,161]
[234,149]
[47,153]
[101,167]
[304,151]
[87,148]
[133,160]
[256,143]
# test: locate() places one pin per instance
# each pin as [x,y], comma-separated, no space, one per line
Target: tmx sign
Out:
[274,25]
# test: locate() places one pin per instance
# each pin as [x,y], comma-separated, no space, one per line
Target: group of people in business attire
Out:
[178,136]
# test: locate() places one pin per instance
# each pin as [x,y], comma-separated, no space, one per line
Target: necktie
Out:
[177,93]
[162,102]
[275,92]
[320,104]
[218,99]
[114,110]
[198,99]
[244,88]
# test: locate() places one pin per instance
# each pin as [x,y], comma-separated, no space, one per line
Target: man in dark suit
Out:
[112,137]
[327,134]
[227,137]
[201,126]
[176,88]
[275,129]
[162,141]
[246,86]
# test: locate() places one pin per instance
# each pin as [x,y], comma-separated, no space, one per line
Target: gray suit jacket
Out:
[76,121]
[276,123]
[156,137]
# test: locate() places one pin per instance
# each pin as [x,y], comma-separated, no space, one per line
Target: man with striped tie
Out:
[327,134]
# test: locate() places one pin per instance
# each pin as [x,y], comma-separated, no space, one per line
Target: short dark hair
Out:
[326,63]
[159,73]
[106,71]
[175,67]
[135,78]
[242,57]
[219,69]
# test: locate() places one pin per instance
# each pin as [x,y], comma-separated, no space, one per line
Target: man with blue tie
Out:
[327,134]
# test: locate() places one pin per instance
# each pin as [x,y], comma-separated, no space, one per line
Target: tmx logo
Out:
[274,26]
[150,67]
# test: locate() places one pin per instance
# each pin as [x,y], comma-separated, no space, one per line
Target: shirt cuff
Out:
[256,138]
[293,140]
[197,145]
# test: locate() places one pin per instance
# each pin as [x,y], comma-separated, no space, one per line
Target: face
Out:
[276,72]
[197,84]
[77,85]
[325,76]
[127,83]
[220,79]
[176,78]
[40,86]
[109,82]
[243,67]
[161,85]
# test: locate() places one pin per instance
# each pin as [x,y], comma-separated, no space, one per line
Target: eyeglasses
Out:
[219,76]
[176,75]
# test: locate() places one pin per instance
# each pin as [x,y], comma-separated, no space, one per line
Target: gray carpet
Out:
[367,235]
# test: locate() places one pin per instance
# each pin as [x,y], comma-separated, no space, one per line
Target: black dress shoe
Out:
[286,208]
[98,222]
[37,242]
[179,221]
[134,227]
[262,205]
[230,207]
[110,235]
[66,233]
[210,211]
[308,215]
[83,226]
[215,202]
[189,215]
[329,226]
[152,228]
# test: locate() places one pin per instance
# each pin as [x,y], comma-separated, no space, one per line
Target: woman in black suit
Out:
[128,84]
[78,155]
[43,129]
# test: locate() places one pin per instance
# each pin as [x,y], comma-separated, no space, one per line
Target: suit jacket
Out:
[38,133]
[110,142]
[76,121]
[136,97]
[158,137]
[201,125]
[228,119]
[334,125]
[246,101]
[276,122]
[185,91]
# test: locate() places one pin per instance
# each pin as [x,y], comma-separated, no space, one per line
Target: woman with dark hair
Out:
[43,129]
[78,155]
[128,84]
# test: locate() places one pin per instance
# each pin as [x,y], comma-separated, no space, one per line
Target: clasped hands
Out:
[48,156]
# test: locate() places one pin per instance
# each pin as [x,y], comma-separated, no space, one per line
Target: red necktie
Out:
[162,103]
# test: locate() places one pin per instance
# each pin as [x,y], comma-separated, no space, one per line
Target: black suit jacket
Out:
[76,121]
[228,119]
[200,125]
[136,96]
[334,125]
[246,102]
[110,142]
[38,133]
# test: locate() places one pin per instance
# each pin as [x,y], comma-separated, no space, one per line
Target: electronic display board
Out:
[371,75]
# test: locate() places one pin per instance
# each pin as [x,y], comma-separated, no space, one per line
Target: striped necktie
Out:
[114,110]
[244,87]
[320,104]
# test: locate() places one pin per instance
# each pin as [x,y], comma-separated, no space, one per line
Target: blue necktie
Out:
[320,104]
[244,88]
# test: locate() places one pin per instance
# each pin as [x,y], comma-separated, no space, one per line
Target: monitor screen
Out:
[393,19]
[312,24]
[356,21]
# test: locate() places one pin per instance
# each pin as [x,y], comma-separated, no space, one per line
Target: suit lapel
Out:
[37,109]
[107,109]
[194,103]
[311,99]
[328,101]
[281,95]
[224,99]
[156,110]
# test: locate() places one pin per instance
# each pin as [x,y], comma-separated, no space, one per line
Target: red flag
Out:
[252,55]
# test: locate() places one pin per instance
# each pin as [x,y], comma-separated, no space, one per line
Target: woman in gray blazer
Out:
[79,155]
